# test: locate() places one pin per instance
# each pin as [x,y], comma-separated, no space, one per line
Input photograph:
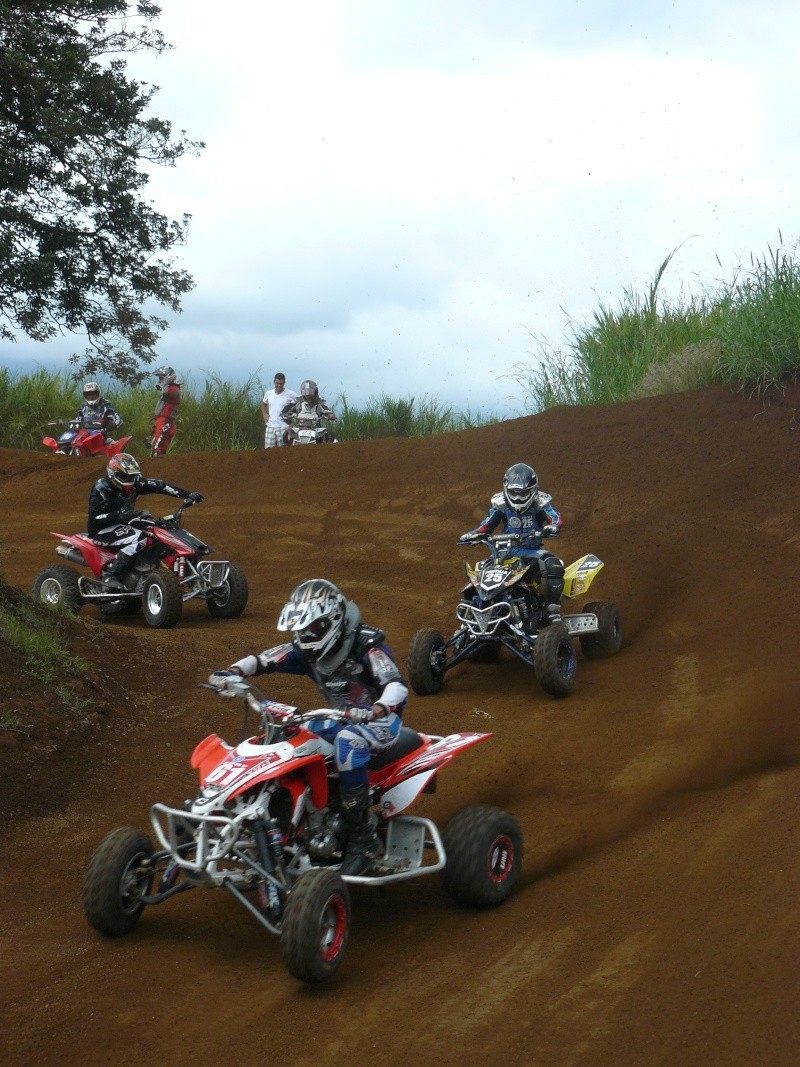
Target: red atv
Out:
[169,571]
[266,825]
[83,439]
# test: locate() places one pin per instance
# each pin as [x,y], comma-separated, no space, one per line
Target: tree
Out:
[81,250]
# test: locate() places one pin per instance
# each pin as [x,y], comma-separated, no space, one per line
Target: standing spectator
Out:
[272,405]
[169,396]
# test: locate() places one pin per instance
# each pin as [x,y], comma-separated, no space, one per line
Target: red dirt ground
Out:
[656,921]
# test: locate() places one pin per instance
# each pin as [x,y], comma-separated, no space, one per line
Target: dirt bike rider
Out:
[521,507]
[113,520]
[354,671]
[309,406]
[95,412]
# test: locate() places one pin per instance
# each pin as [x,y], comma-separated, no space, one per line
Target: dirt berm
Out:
[656,922]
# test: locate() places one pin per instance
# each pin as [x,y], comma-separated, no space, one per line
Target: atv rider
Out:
[169,397]
[113,520]
[95,412]
[523,509]
[309,405]
[354,671]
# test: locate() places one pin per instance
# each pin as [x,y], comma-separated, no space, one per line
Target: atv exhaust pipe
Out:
[71,553]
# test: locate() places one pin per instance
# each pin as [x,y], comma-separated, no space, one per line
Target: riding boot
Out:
[113,576]
[552,595]
[362,841]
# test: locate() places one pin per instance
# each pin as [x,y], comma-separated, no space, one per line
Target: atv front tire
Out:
[425,654]
[316,926]
[555,660]
[116,881]
[58,586]
[607,641]
[483,846]
[231,599]
[162,599]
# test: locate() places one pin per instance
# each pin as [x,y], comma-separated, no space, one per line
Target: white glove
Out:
[221,679]
[549,531]
[359,715]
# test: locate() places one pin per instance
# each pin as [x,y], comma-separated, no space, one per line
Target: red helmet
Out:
[123,471]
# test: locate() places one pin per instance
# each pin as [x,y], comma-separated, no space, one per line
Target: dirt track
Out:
[656,922]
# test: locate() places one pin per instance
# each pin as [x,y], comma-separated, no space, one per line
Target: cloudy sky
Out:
[402,197]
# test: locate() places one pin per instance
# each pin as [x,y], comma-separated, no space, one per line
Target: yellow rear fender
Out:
[579,575]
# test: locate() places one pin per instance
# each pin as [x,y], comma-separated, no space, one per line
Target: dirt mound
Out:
[655,921]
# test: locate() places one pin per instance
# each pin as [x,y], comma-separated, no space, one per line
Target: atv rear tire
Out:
[57,586]
[555,660]
[115,883]
[607,641]
[424,655]
[316,926]
[483,846]
[162,599]
[231,600]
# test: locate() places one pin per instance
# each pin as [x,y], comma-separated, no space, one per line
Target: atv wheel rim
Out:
[501,859]
[332,928]
[155,600]
[132,885]
[50,591]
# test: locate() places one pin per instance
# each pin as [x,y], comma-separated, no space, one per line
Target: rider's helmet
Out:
[316,614]
[309,391]
[519,486]
[165,375]
[91,394]
[123,471]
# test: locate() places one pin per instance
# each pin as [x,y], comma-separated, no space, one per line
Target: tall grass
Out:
[219,416]
[746,333]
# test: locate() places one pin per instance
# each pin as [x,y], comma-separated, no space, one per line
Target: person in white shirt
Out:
[272,405]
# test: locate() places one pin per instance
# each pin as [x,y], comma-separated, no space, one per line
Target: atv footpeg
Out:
[580,624]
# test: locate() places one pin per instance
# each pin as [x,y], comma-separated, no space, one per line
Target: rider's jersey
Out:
[368,675]
[102,415]
[168,400]
[301,409]
[541,513]
[106,501]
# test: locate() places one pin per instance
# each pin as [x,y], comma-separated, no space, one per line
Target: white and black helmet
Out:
[309,391]
[316,614]
[91,394]
[165,375]
[519,486]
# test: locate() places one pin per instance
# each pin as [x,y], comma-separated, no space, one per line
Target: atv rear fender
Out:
[579,575]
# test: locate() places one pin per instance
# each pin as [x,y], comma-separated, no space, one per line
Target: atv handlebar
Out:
[273,715]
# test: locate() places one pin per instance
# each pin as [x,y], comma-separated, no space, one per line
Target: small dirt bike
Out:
[169,571]
[309,430]
[83,439]
[502,607]
[267,826]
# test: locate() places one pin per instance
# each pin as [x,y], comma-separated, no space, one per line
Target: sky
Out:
[416,198]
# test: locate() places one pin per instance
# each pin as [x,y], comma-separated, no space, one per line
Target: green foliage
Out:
[81,248]
[746,334]
[38,641]
[385,416]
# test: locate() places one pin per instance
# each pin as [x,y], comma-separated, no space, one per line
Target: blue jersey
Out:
[540,514]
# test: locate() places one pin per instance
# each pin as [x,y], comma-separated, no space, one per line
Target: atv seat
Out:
[407,740]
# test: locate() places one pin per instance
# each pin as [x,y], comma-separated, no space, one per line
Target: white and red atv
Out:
[267,826]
